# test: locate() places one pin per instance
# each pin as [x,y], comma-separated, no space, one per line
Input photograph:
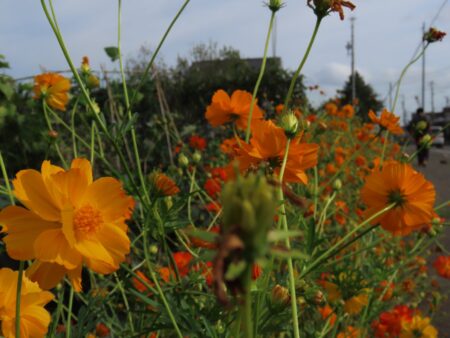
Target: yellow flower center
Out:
[87,221]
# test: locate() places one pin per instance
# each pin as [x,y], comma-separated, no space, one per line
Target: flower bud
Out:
[183,161]
[280,295]
[52,133]
[289,123]
[197,157]
[168,202]
[337,184]
[275,5]
[249,203]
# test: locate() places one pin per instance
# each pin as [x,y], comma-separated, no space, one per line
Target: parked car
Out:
[438,136]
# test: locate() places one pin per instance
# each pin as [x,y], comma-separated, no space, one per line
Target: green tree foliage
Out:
[366,97]
[23,136]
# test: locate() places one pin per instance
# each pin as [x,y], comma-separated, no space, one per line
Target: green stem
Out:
[442,205]
[332,251]
[260,76]
[128,109]
[85,93]
[158,286]
[302,63]
[22,263]
[69,313]
[191,188]
[72,122]
[283,219]
[125,301]
[394,104]
[247,306]
[50,128]
[152,59]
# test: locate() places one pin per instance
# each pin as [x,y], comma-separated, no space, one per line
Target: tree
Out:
[366,98]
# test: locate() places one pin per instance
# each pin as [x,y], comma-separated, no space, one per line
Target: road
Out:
[438,172]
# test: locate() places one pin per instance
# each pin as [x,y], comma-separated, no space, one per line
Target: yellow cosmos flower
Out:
[34,319]
[70,220]
[418,327]
[54,88]
[355,304]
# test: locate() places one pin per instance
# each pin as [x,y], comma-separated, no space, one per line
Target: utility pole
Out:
[432,96]
[423,67]
[447,101]
[352,20]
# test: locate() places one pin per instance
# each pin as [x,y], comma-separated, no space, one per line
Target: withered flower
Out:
[323,8]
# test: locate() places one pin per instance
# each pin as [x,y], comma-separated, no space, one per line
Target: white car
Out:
[438,136]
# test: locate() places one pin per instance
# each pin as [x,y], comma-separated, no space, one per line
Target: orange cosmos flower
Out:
[324,7]
[34,319]
[69,220]
[53,88]
[268,144]
[164,184]
[327,312]
[224,109]
[442,266]
[388,121]
[350,332]
[412,194]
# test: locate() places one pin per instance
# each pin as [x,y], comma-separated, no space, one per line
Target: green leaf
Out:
[284,253]
[235,270]
[112,52]
[278,235]
[7,90]
[203,235]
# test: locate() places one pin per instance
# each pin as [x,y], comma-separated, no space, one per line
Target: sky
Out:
[387,32]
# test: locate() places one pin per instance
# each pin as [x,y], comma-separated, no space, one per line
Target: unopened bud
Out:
[52,133]
[168,202]
[197,157]
[337,184]
[280,295]
[183,161]
[289,123]
[153,249]
[275,5]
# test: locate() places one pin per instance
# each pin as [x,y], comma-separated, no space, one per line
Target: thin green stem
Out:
[247,305]
[22,263]
[85,93]
[6,178]
[69,314]
[125,302]
[158,286]
[260,76]
[283,218]
[191,188]
[153,58]
[302,63]
[394,104]
[128,109]
[332,251]
[442,205]
[50,129]
[72,122]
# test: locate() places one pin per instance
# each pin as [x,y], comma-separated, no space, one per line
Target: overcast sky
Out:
[387,33]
